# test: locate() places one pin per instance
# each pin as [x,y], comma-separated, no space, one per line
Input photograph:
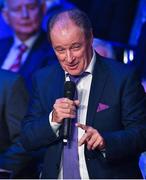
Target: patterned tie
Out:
[70,152]
[17,63]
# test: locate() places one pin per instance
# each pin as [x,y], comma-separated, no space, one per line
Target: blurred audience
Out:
[5,30]
[140,63]
[28,49]
[13,106]
[25,52]
[104,48]
[140,53]
[142,164]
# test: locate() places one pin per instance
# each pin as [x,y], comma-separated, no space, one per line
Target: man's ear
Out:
[5,15]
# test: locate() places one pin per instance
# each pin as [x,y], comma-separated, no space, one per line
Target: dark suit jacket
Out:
[140,55]
[123,124]
[39,56]
[13,106]
[16,158]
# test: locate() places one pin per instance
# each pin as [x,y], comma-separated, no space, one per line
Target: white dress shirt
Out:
[83,88]
[14,51]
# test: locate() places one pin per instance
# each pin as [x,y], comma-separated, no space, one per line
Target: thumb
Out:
[77,102]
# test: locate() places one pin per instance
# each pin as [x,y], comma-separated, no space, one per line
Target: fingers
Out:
[82,126]
[64,108]
[91,138]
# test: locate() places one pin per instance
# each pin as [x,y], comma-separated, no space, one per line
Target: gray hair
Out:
[77,16]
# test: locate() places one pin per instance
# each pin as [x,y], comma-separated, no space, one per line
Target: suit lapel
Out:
[98,83]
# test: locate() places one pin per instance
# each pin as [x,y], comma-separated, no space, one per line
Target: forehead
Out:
[65,27]
[21,2]
[66,32]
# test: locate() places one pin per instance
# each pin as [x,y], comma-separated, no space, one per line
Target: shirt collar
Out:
[29,42]
[91,64]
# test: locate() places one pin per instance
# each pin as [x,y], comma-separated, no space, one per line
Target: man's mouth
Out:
[73,66]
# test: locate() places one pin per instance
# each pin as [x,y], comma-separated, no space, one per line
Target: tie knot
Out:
[77,78]
[22,47]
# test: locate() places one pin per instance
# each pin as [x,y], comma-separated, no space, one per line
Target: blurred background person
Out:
[104,48]
[5,30]
[13,106]
[28,49]
[140,55]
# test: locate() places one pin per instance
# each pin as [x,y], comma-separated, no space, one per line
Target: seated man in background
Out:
[13,106]
[25,52]
[28,50]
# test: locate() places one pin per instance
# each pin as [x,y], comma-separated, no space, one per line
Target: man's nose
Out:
[24,12]
[69,56]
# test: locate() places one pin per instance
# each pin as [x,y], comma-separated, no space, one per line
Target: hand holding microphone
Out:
[65,109]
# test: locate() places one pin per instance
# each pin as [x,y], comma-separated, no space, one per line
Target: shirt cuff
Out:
[55,126]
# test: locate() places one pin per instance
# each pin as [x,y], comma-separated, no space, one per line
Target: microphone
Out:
[69,92]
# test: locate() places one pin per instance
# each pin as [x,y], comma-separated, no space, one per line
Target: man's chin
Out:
[26,33]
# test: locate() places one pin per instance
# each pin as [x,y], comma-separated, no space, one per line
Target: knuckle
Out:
[54,106]
[89,143]
[90,129]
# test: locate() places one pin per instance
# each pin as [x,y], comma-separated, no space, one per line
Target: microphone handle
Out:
[67,130]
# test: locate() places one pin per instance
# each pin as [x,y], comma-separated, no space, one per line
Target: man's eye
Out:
[16,9]
[60,50]
[76,47]
[32,6]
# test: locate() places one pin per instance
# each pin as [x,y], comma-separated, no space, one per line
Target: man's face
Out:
[24,16]
[73,50]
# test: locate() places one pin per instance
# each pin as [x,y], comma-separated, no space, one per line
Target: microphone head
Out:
[69,89]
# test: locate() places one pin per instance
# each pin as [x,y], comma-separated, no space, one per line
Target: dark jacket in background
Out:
[13,106]
[39,56]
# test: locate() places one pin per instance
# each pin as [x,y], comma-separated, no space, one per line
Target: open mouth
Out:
[73,66]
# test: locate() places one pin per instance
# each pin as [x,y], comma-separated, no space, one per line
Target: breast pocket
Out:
[108,119]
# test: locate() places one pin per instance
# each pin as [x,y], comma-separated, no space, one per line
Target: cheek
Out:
[35,16]
[83,60]
[13,19]
[14,22]
[81,57]
[60,57]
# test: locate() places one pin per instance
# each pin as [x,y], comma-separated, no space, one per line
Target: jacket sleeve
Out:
[15,106]
[36,129]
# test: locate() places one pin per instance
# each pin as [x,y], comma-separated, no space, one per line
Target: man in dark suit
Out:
[110,109]
[25,19]
[13,106]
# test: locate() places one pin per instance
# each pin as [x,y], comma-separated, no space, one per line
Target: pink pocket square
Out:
[102,107]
